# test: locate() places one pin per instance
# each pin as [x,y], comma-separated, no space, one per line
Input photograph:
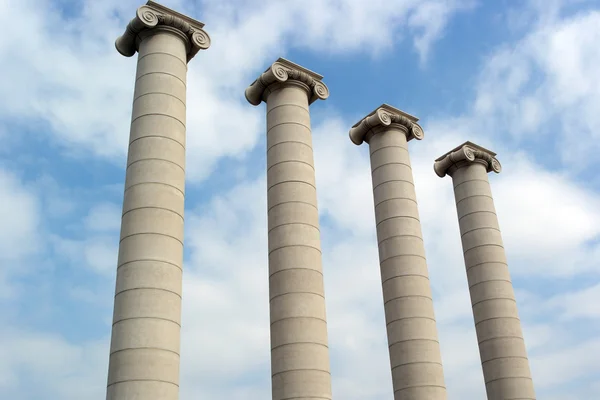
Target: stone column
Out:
[414,348]
[299,348]
[501,345]
[144,350]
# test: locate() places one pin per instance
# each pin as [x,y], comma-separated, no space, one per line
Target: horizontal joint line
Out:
[490,280]
[404,297]
[143,380]
[509,377]
[478,229]
[474,195]
[292,201]
[502,337]
[160,114]
[145,348]
[300,369]
[287,123]
[495,298]
[295,245]
[397,236]
[387,147]
[402,276]
[288,105]
[484,245]
[395,198]
[504,357]
[495,318]
[148,288]
[290,161]
[299,317]
[291,141]
[419,386]
[292,269]
[152,207]
[166,94]
[403,255]
[150,233]
[156,159]
[294,223]
[291,344]
[486,262]
[472,180]
[292,181]
[390,163]
[416,362]
[157,136]
[155,183]
[413,340]
[150,260]
[475,212]
[289,293]
[403,318]
[311,397]
[159,318]
[393,180]
[396,217]
[162,73]
[163,53]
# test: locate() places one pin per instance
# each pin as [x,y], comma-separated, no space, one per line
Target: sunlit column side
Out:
[144,351]
[414,348]
[501,345]
[299,346]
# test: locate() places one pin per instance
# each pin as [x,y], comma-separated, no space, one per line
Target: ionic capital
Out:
[282,71]
[153,15]
[465,154]
[385,115]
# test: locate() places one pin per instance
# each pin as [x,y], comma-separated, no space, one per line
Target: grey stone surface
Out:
[414,348]
[144,350]
[299,345]
[501,345]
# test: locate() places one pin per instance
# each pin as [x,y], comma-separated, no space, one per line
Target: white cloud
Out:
[50,367]
[103,217]
[20,216]
[544,89]
[20,220]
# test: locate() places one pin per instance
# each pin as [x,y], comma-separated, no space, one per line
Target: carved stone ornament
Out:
[154,15]
[282,71]
[385,115]
[466,153]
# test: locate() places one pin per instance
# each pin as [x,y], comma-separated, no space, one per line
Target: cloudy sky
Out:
[520,77]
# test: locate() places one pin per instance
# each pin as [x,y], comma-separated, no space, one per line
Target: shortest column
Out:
[501,345]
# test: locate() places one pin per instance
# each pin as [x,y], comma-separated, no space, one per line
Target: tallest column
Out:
[299,349]
[144,350]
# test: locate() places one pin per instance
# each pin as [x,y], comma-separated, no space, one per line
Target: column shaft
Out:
[144,354]
[501,345]
[412,334]
[299,348]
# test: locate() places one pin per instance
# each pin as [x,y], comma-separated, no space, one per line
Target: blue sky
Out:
[518,77]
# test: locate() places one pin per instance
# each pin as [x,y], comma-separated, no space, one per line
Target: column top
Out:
[465,154]
[152,15]
[385,115]
[284,70]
